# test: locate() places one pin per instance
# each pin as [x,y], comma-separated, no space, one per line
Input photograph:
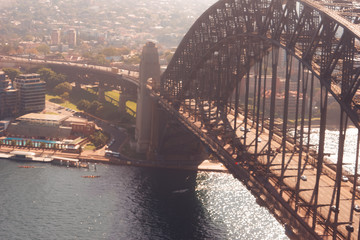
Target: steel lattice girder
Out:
[319,38]
[235,35]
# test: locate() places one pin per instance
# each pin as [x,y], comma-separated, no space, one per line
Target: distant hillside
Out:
[126,22]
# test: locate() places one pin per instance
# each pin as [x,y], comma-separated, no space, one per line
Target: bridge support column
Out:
[153,148]
[149,68]
[101,92]
[124,97]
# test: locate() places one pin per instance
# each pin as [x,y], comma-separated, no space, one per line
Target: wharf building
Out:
[31,93]
[49,126]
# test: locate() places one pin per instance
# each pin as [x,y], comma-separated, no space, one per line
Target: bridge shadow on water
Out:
[177,213]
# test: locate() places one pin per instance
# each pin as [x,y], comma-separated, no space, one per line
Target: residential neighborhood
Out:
[82,30]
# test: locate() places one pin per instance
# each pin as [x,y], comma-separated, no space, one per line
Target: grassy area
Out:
[114,94]
[78,140]
[131,105]
[110,110]
[58,100]
[91,90]
[90,147]
[51,113]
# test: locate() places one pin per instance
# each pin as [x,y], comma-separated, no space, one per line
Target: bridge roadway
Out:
[306,187]
[126,74]
[327,180]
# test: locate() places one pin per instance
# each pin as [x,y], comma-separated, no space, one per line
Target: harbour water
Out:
[332,146]
[51,202]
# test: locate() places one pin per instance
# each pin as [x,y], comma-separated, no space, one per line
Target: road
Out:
[291,182]
[306,185]
[127,74]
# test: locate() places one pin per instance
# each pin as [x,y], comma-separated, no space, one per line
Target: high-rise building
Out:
[32,93]
[9,97]
[55,37]
[71,37]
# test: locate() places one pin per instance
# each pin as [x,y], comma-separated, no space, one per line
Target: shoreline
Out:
[205,166]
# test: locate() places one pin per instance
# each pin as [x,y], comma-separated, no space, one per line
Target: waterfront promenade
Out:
[98,157]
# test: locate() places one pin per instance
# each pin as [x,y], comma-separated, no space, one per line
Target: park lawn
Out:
[58,100]
[92,90]
[131,105]
[90,147]
[114,94]
[110,111]
[51,113]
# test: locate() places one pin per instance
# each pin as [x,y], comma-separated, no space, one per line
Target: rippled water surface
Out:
[332,145]
[50,202]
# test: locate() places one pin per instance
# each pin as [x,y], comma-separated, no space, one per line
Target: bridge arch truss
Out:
[272,66]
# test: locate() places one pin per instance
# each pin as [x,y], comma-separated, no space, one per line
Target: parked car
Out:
[344,178]
[303,177]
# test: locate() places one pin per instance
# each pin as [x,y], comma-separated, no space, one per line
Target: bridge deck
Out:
[287,189]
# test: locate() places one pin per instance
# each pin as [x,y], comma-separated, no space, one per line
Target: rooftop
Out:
[77,120]
[29,75]
[43,117]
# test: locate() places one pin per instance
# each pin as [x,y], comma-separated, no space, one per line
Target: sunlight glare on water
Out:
[51,202]
[230,204]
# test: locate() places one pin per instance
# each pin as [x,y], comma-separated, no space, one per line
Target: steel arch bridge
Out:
[258,81]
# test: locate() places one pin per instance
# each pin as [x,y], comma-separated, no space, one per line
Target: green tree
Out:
[28,37]
[50,77]
[134,59]
[12,73]
[7,49]
[62,88]
[99,139]
[101,60]
[83,105]
[88,54]
[123,51]
[43,48]
[46,74]
[65,96]
[95,107]
[110,51]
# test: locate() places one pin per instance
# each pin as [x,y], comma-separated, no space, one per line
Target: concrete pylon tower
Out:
[149,68]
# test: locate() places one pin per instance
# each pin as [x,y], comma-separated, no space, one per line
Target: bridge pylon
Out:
[149,69]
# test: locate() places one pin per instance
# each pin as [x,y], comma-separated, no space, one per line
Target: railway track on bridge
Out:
[255,170]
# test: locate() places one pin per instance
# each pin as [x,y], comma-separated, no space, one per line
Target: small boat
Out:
[26,167]
[22,156]
[181,191]
[90,176]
